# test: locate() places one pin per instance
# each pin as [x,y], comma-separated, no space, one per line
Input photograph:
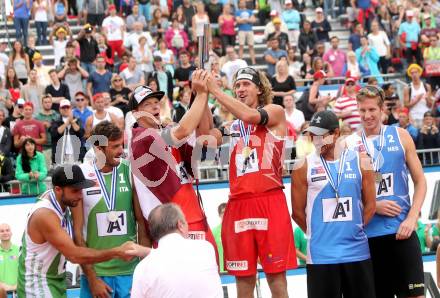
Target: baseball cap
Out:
[288,2]
[273,13]
[318,9]
[28,104]
[426,16]
[70,175]
[88,28]
[64,103]
[319,75]
[20,102]
[350,80]
[97,96]
[111,7]
[61,30]
[322,123]
[248,73]
[142,93]
[409,13]
[37,56]
[276,20]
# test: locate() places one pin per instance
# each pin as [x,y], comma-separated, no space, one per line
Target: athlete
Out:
[108,215]
[256,222]
[161,156]
[332,199]
[47,241]
[395,250]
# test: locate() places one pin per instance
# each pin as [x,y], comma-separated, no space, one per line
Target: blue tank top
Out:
[335,229]
[394,184]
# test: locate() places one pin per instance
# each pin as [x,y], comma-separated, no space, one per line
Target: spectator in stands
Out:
[428,30]
[319,50]
[317,101]
[300,245]
[319,65]
[283,38]
[346,106]
[217,233]
[292,19]
[132,75]
[321,26]
[282,83]
[69,54]
[144,57]
[72,75]
[88,46]
[182,105]
[3,56]
[136,17]
[368,58]
[158,24]
[5,98]
[28,127]
[304,145]
[7,174]
[31,50]
[22,9]
[163,77]
[119,93]
[226,22]
[33,90]
[9,253]
[431,56]
[422,232]
[40,12]
[42,70]
[31,168]
[214,9]
[378,39]
[47,116]
[99,115]
[17,114]
[232,65]
[183,72]
[12,84]
[114,27]
[273,55]
[132,40]
[176,38]
[100,79]
[165,108]
[95,10]
[5,135]
[335,57]
[294,63]
[198,21]
[144,7]
[166,54]
[179,264]
[67,136]
[245,19]
[293,115]
[405,124]
[307,66]
[351,68]
[19,60]
[269,28]
[59,11]
[354,41]
[188,11]
[106,51]
[58,39]
[112,109]
[417,96]
[409,32]
[58,90]
[391,103]
[429,136]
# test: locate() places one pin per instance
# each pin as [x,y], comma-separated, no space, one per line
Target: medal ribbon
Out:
[110,201]
[66,223]
[375,159]
[334,185]
[245,133]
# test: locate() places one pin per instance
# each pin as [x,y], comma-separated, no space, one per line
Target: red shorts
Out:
[258,227]
[117,47]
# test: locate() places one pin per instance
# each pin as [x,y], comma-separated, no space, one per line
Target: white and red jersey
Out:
[263,170]
[348,104]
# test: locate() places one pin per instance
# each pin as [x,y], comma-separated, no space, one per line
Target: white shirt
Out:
[231,67]
[114,27]
[132,40]
[379,42]
[178,268]
[296,119]
[115,111]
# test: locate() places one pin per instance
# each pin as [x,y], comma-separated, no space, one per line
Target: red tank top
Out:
[227,27]
[263,171]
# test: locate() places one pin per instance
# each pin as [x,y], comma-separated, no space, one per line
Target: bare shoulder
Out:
[406,139]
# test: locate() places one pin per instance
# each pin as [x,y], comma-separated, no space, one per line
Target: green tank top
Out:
[41,267]
[99,232]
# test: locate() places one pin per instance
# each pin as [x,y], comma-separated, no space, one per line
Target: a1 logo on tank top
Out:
[116,227]
[246,164]
[386,186]
[337,209]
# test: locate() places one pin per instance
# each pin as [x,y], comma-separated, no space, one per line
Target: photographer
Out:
[392,103]
[429,136]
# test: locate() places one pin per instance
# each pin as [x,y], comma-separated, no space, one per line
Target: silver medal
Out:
[112,216]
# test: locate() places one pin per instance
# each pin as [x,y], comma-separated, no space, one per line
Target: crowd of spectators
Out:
[51,103]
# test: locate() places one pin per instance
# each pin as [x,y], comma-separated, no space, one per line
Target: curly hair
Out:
[265,87]
[107,129]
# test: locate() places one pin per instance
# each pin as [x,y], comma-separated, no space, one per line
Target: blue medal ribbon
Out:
[335,185]
[110,201]
[376,158]
[66,223]
[245,133]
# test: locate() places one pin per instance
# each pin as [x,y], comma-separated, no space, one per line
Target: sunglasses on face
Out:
[117,80]
[65,108]
[79,99]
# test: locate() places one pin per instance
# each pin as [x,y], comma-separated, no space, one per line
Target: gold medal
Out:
[246,152]
[112,216]
[378,177]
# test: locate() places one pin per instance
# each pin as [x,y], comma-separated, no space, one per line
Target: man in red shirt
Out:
[28,127]
[161,156]
[256,222]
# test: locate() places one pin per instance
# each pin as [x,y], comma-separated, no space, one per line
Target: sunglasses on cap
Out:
[372,91]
